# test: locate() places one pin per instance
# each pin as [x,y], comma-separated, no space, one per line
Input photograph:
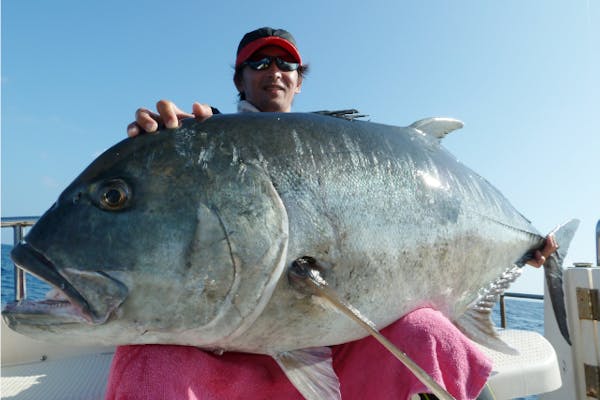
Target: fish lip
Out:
[74,309]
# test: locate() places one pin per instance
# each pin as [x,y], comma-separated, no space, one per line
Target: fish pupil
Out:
[113,197]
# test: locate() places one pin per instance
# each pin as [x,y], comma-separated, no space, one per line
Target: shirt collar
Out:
[246,106]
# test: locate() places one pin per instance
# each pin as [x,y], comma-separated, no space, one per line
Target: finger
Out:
[167,113]
[538,259]
[201,111]
[541,260]
[550,247]
[133,129]
[170,113]
[147,120]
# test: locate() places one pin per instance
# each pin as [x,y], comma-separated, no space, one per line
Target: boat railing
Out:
[18,224]
[502,303]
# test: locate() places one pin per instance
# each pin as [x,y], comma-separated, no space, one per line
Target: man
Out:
[264,83]
[268,74]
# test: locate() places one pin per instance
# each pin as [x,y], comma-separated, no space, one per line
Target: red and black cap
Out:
[259,38]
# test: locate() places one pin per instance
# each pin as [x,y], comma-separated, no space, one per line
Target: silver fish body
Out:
[185,236]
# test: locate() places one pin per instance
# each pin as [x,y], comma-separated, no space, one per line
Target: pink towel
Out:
[365,369]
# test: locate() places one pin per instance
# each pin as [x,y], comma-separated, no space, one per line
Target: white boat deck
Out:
[33,370]
[533,371]
[65,374]
[82,377]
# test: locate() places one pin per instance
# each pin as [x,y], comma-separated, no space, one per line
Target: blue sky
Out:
[524,76]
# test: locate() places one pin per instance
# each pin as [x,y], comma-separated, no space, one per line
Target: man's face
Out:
[270,90]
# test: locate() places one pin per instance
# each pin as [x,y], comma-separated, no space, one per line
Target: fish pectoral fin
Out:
[311,372]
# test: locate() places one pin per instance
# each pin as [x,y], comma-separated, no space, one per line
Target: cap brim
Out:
[257,44]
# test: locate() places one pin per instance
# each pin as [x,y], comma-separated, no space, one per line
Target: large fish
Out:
[185,237]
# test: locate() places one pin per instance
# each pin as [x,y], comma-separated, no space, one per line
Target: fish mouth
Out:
[98,296]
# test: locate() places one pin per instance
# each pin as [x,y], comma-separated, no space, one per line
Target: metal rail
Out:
[598,243]
[18,224]
[8,222]
[515,295]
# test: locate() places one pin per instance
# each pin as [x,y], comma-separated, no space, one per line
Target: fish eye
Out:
[114,195]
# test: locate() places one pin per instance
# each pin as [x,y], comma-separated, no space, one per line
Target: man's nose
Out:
[273,68]
[274,71]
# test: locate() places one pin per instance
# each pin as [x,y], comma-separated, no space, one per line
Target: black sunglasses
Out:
[265,63]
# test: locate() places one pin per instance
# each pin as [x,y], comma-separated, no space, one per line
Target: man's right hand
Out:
[168,115]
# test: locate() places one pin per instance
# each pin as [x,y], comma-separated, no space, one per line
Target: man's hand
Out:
[168,115]
[540,256]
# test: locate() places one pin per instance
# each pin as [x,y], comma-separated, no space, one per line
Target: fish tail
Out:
[553,269]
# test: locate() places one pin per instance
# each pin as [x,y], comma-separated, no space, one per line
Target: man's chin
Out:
[276,105]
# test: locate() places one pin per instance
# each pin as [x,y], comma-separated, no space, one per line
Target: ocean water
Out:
[36,289]
[520,314]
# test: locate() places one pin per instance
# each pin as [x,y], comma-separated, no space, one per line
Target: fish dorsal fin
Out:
[311,372]
[437,127]
[477,323]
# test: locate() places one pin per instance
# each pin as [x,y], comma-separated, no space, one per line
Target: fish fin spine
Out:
[476,323]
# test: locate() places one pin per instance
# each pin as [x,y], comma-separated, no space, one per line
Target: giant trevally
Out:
[185,236]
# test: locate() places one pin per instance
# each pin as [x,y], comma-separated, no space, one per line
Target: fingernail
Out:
[133,131]
[150,127]
[172,123]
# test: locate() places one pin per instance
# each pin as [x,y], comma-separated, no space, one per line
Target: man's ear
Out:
[237,81]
